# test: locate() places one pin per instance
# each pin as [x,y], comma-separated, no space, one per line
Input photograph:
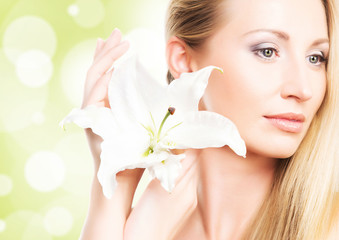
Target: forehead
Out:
[298,18]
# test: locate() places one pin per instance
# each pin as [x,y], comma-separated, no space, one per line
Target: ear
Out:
[178,57]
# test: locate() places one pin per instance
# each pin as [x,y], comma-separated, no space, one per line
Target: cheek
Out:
[240,92]
[236,95]
[244,85]
[243,95]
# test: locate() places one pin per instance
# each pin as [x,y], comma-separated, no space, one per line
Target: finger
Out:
[189,165]
[113,40]
[98,95]
[102,65]
[157,200]
[98,48]
[101,43]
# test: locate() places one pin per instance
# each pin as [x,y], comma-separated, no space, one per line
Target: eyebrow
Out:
[285,36]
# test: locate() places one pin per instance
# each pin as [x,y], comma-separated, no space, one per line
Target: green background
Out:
[46,48]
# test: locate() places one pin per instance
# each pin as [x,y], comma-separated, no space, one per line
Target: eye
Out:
[266,53]
[317,59]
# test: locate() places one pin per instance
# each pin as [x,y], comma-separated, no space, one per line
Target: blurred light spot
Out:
[34,68]
[45,171]
[35,229]
[150,15]
[91,13]
[6,185]
[150,47]
[28,32]
[58,221]
[75,205]
[73,10]
[16,223]
[38,118]
[74,69]
[2,226]
[73,149]
[24,101]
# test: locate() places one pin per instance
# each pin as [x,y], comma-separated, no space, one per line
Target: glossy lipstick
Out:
[288,122]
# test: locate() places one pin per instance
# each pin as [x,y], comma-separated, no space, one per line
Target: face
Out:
[272,53]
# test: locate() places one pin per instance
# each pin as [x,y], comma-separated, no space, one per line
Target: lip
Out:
[288,122]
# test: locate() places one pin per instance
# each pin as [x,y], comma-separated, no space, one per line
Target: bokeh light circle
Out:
[74,150]
[2,226]
[73,10]
[6,185]
[16,223]
[26,33]
[90,13]
[58,221]
[44,171]
[34,68]
[18,103]
[38,118]
[35,229]
[74,70]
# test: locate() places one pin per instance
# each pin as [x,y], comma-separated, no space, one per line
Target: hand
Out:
[106,217]
[166,213]
[97,78]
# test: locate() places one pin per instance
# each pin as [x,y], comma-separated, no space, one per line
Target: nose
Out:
[296,83]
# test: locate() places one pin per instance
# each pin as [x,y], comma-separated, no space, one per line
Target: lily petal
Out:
[123,151]
[100,120]
[167,171]
[110,166]
[185,93]
[132,91]
[205,129]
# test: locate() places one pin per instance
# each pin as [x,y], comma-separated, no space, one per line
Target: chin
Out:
[272,149]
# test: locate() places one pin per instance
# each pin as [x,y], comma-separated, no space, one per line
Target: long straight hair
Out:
[302,202]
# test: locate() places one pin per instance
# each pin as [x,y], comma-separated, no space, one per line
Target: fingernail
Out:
[113,32]
[116,30]
[99,42]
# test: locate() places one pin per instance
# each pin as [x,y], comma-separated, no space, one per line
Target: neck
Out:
[231,190]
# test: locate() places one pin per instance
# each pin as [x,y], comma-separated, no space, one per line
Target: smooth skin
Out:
[218,192]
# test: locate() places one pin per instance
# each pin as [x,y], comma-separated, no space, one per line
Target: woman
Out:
[280,88]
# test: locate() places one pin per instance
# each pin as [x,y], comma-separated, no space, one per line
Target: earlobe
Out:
[178,57]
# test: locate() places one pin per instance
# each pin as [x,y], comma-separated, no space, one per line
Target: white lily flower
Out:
[146,120]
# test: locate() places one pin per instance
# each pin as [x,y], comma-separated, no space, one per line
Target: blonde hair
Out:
[193,21]
[303,199]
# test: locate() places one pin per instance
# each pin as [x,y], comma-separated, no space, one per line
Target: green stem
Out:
[162,123]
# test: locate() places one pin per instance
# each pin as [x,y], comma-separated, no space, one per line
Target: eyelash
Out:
[257,52]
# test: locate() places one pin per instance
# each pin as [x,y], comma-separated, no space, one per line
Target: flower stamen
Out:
[155,127]
[170,111]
